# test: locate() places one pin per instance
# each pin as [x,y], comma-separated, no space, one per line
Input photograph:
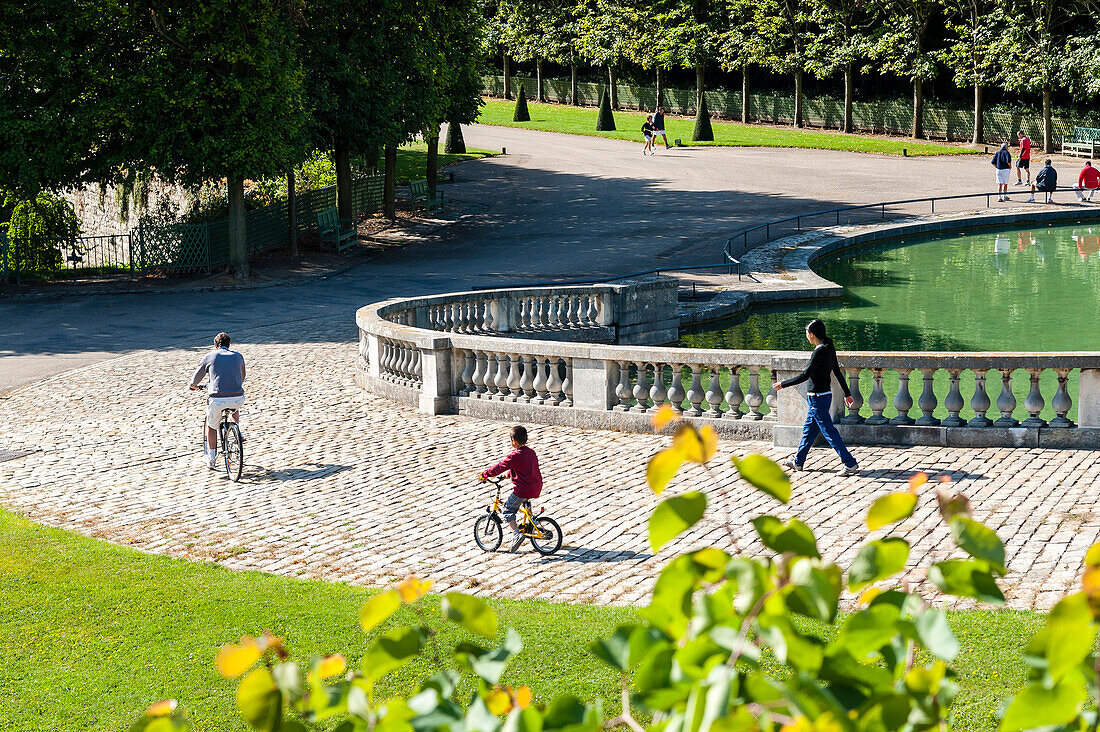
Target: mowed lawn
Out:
[412,159]
[91,633]
[582,121]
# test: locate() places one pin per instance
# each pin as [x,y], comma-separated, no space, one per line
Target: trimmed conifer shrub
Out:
[454,143]
[703,131]
[606,120]
[521,115]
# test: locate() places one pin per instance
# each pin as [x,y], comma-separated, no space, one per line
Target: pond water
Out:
[1033,289]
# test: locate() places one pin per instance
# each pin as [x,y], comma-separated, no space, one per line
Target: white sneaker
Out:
[1019,183]
[517,539]
[791,465]
[846,471]
[1030,200]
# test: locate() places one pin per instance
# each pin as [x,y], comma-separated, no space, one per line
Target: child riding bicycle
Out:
[523,467]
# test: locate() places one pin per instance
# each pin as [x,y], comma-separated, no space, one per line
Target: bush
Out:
[605,121]
[728,643]
[703,131]
[38,231]
[521,114]
[454,144]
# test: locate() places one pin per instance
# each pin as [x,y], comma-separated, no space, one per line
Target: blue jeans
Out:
[820,422]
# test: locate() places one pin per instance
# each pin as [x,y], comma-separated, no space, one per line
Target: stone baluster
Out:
[465,317]
[418,366]
[553,381]
[714,392]
[526,379]
[852,414]
[514,390]
[384,358]
[903,400]
[504,374]
[979,402]
[771,399]
[755,397]
[954,402]
[592,314]
[446,319]
[1006,401]
[478,377]
[1062,403]
[538,364]
[541,311]
[657,392]
[927,402]
[567,384]
[488,320]
[398,361]
[1034,401]
[695,393]
[877,401]
[577,311]
[623,390]
[641,389]
[676,392]
[466,379]
[733,395]
[492,391]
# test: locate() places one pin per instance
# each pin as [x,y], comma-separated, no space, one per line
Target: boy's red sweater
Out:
[523,465]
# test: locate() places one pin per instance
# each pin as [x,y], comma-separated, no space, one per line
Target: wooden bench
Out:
[418,190]
[331,229]
[1085,142]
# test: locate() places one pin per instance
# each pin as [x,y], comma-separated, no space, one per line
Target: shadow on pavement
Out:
[586,555]
[314,471]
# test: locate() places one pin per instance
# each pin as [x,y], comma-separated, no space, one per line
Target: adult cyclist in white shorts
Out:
[225,388]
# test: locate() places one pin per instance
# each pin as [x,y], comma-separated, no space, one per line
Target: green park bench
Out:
[1085,141]
[332,230]
[419,194]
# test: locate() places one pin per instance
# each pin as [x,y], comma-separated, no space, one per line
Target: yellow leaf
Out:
[411,589]
[688,441]
[334,665]
[662,468]
[523,697]
[498,701]
[916,481]
[1092,556]
[709,437]
[162,708]
[664,414]
[377,609]
[869,594]
[234,660]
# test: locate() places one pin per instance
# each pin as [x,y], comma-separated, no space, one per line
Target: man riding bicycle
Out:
[225,390]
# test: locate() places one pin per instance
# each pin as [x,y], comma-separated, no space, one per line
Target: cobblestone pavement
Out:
[342,485]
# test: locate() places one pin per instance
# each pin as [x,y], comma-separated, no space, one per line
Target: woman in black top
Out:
[819,395]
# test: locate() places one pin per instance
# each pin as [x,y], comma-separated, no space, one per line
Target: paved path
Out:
[556,206]
[345,486]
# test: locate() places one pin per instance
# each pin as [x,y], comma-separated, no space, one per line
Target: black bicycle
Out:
[230,442]
[543,531]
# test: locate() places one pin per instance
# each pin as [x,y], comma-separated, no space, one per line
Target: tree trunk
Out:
[918,109]
[507,77]
[389,185]
[292,213]
[539,96]
[746,104]
[613,90]
[700,80]
[574,87]
[979,110]
[343,181]
[798,98]
[660,91]
[1048,123]
[849,94]
[431,166]
[238,237]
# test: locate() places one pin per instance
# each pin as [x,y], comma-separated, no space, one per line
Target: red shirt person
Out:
[1024,161]
[1089,179]
[522,465]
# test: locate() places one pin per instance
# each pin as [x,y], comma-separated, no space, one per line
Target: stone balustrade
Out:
[557,356]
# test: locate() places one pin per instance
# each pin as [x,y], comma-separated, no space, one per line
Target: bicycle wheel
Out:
[233,450]
[549,540]
[488,533]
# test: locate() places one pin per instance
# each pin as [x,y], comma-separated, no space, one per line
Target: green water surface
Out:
[1035,289]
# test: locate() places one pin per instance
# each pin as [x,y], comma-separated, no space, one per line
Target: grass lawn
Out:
[91,633]
[582,121]
[412,159]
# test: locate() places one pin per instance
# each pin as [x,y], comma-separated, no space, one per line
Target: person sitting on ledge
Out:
[1089,180]
[1046,180]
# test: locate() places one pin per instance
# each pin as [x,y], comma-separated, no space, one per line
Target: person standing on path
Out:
[1002,161]
[659,127]
[819,372]
[1024,163]
[647,133]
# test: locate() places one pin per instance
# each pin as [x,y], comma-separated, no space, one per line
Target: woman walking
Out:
[819,371]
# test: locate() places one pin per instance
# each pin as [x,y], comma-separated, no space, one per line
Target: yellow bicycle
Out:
[543,531]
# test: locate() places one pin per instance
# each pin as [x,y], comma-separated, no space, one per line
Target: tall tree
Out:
[785,29]
[900,48]
[840,40]
[974,26]
[1033,47]
[740,46]
[603,36]
[524,23]
[691,33]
